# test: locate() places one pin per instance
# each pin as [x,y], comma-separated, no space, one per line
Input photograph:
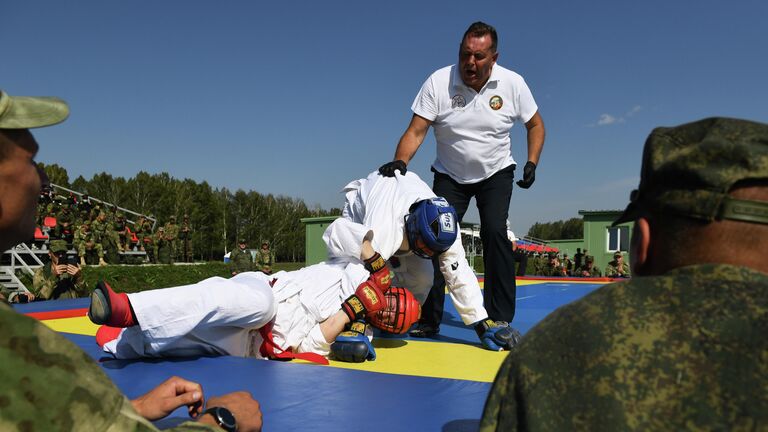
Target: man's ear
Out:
[641,240]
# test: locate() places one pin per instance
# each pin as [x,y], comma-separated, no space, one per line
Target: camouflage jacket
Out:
[240,261]
[593,272]
[171,231]
[185,231]
[35,360]
[48,286]
[82,236]
[99,229]
[612,269]
[682,351]
[550,270]
[264,260]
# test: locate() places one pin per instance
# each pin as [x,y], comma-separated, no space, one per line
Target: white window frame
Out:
[622,246]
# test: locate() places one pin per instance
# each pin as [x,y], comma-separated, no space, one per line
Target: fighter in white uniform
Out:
[251,314]
[411,223]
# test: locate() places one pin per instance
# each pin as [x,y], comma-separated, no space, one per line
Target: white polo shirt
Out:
[471,128]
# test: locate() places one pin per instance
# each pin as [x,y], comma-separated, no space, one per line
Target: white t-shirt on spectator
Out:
[471,128]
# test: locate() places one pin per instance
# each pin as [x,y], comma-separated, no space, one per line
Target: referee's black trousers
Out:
[493,196]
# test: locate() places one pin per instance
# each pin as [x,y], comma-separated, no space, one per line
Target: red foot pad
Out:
[107,334]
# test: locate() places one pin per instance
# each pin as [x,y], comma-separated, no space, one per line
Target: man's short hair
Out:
[478,29]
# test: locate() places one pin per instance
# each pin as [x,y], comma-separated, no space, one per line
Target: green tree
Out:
[56,174]
[559,230]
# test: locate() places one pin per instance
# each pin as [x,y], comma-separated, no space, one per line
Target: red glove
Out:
[380,273]
[368,298]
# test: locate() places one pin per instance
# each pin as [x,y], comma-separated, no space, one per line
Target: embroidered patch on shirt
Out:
[496,103]
[458,101]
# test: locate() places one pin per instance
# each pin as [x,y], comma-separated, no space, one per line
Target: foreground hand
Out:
[389,168]
[529,175]
[243,406]
[165,398]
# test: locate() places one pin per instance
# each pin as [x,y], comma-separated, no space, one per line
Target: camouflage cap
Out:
[24,112]
[589,259]
[242,241]
[617,254]
[690,169]
[58,246]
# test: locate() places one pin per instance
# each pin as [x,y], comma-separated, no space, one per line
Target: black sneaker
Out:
[424,330]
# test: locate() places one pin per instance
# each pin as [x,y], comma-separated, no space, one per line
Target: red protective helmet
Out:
[401,312]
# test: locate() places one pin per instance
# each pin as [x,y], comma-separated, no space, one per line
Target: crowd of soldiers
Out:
[582,265]
[100,232]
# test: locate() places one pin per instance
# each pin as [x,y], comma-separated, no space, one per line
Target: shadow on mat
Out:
[462,425]
[113,363]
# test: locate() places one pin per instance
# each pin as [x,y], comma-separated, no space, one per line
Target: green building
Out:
[599,238]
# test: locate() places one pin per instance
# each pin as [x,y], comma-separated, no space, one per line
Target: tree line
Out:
[219,217]
[559,230]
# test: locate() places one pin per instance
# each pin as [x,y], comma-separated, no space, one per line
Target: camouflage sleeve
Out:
[42,285]
[501,411]
[610,271]
[36,359]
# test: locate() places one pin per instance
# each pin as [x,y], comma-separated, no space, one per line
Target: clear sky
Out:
[298,98]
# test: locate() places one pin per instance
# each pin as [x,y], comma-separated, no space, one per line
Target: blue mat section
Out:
[534,302]
[307,397]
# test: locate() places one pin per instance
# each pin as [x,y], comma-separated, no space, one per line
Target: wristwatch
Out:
[224,418]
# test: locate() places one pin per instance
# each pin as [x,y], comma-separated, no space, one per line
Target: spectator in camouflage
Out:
[682,345]
[264,258]
[35,359]
[617,268]
[240,259]
[588,269]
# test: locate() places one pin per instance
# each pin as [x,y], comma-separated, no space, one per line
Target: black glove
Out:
[389,168]
[529,175]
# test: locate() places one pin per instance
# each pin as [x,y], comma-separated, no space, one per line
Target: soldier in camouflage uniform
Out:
[147,240]
[121,235]
[553,267]
[588,269]
[171,236]
[682,345]
[163,251]
[59,278]
[101,233]
[64,230]
[617,268]
[264,258]
[240,259]
[185,240]
[538,264]
[35,359]
[85,241]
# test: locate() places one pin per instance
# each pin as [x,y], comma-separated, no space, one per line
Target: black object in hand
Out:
[529,175]
[389,168]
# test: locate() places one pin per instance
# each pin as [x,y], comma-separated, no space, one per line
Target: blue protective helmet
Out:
[434,222]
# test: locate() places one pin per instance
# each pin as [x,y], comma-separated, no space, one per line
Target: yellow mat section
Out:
[431,359]
[394,356]
[77,325]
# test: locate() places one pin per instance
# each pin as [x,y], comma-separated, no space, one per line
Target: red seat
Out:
[49,221]
[39,234]
[134,239]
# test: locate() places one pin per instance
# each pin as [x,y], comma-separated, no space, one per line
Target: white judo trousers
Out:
[375,208]
[220,316]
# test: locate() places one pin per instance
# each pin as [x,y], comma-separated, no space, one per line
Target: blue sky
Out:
[298,98]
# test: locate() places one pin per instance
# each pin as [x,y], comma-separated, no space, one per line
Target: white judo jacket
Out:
[375,207]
